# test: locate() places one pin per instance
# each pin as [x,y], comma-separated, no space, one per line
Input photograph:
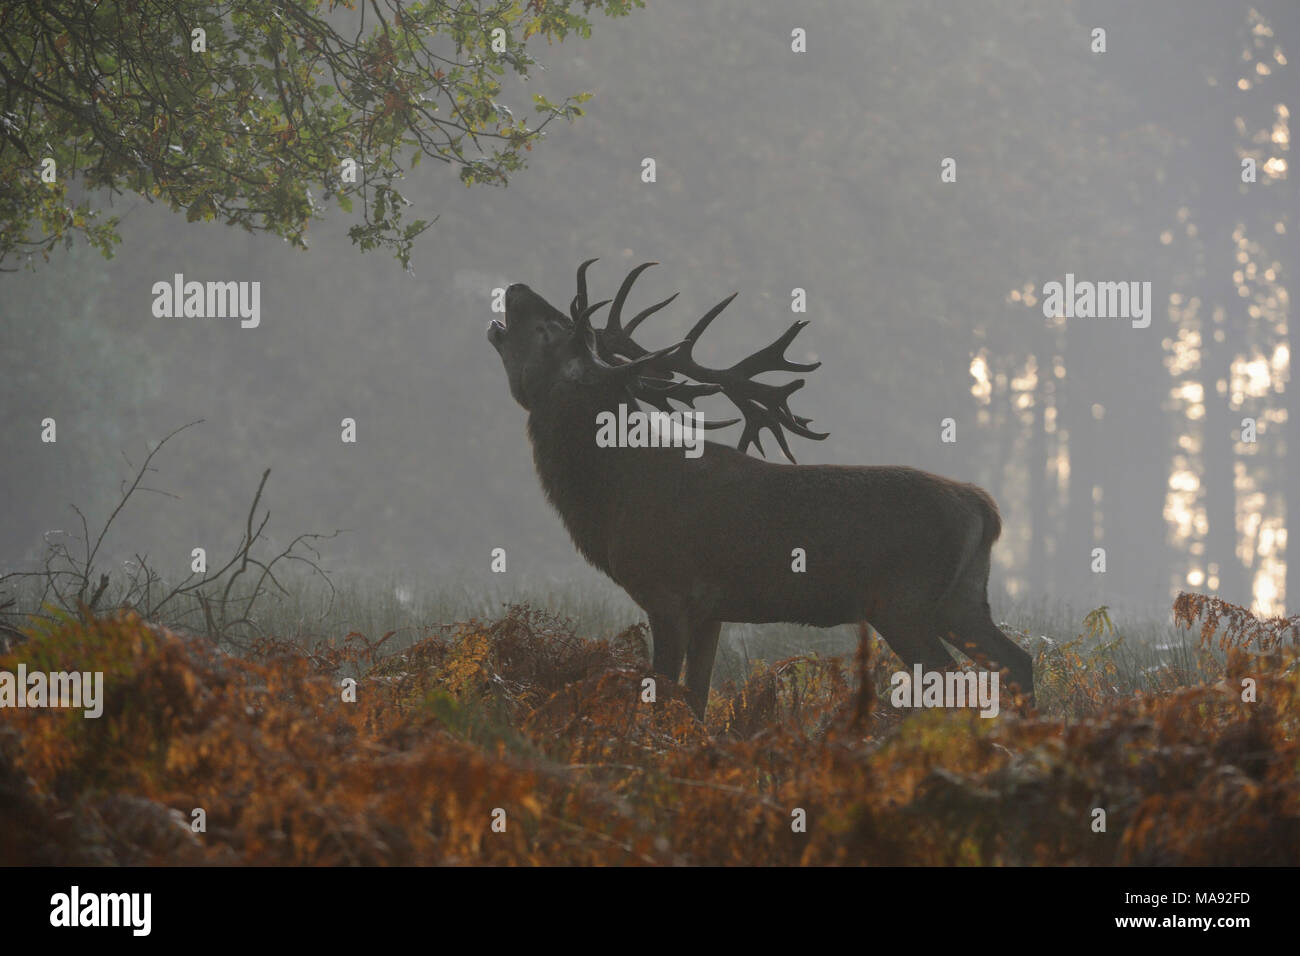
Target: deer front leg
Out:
[700,652]
[678,637]
[670,634]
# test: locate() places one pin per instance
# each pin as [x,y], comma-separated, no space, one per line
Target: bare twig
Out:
[224,607]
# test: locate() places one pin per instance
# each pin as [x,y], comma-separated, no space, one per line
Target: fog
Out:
[923,172]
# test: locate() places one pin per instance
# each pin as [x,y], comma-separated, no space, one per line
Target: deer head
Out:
[535,344]
[543,350]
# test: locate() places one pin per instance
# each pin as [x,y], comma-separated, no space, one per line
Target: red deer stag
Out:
[700,541]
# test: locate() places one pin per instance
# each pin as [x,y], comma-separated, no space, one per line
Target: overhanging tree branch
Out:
[269,109]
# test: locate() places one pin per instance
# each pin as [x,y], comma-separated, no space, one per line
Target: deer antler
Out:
[651,374]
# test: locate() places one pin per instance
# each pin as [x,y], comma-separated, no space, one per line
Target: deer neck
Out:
[582,481]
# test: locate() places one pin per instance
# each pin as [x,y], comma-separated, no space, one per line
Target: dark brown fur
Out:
[699,541]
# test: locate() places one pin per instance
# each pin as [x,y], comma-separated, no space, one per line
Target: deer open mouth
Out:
[496,332]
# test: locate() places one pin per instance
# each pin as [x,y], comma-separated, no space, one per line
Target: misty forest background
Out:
[776,170]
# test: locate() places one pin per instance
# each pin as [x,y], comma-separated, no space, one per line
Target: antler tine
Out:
[658,393]
[582,320]
[772,358]
[762,405]
[646,313]
[615,323]
[579,304]
[651,374]
[614,339]
[774,415]
[698,329]
[630,371]
[685,392]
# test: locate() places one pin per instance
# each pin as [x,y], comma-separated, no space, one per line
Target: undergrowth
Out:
[518,741]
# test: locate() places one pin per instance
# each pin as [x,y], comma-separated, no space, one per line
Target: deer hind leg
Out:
[968,624]
[983,641]
[915,639]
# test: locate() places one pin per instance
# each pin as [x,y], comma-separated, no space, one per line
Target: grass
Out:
[411,610]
